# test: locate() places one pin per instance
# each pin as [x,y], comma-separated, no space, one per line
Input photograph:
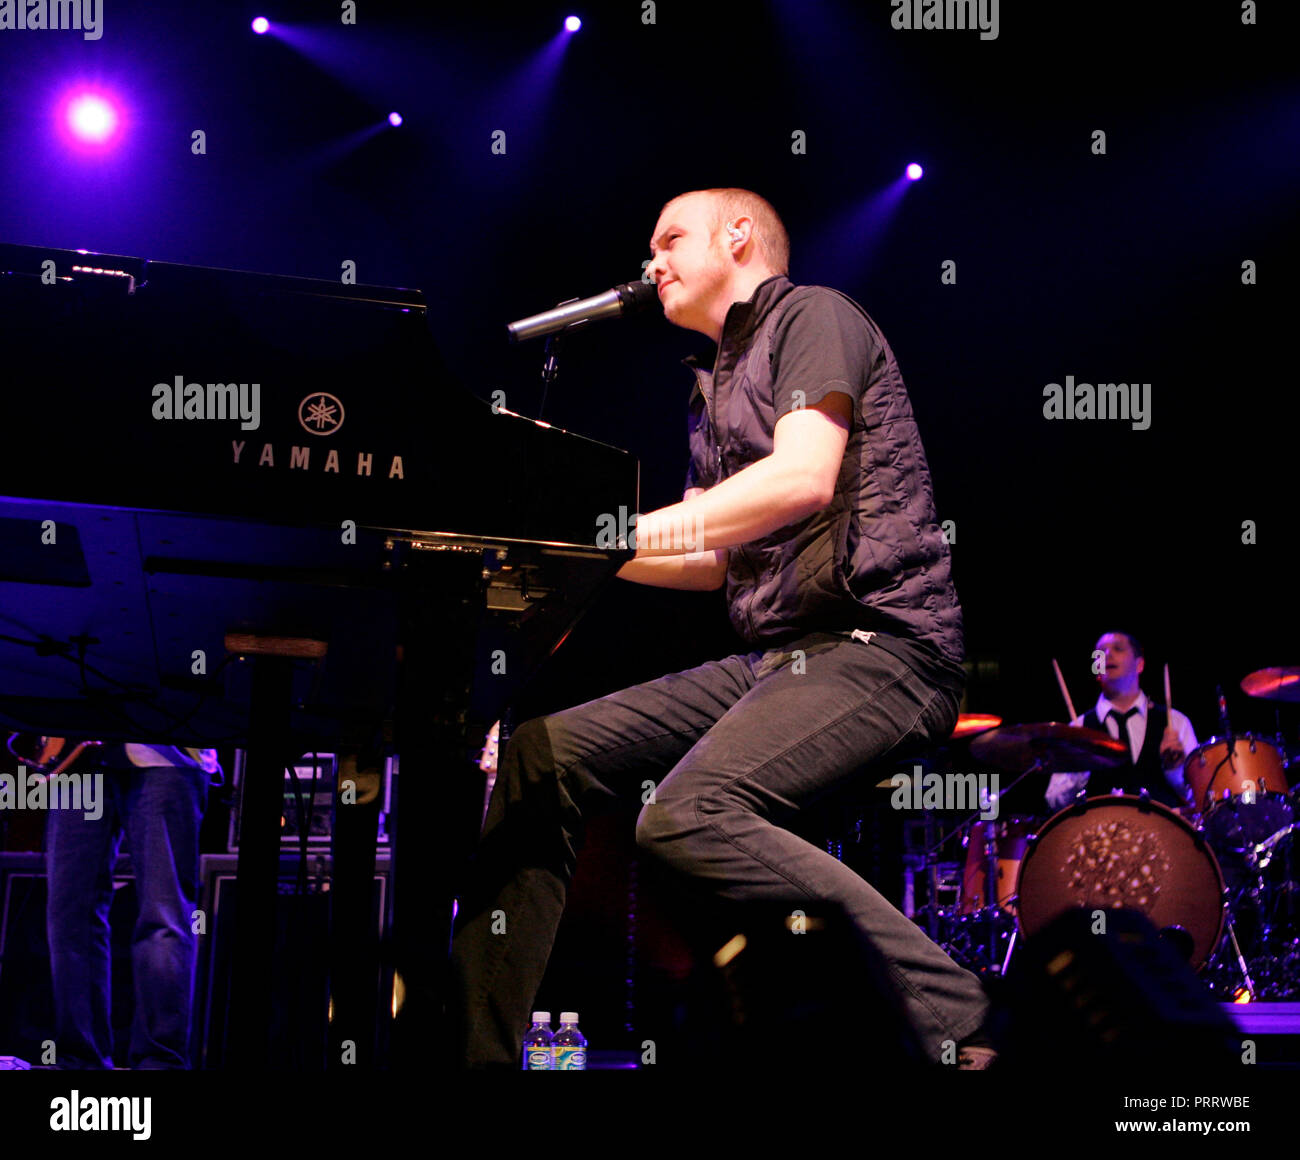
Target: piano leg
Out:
[248,1043]
[440,804]
[354,940]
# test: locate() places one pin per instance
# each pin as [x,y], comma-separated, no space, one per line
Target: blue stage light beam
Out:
[842,250]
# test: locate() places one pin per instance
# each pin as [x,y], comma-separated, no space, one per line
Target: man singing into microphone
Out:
[809,498]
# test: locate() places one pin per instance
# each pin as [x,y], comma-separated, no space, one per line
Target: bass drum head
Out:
[1122,852]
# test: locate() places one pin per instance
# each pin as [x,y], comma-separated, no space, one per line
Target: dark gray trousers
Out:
[732,750]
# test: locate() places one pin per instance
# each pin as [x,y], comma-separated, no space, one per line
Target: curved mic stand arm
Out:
[551,354]
[1037,767]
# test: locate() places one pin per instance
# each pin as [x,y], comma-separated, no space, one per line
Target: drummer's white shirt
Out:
[1062,787]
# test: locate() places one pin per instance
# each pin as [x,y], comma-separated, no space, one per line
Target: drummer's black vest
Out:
[1147,773]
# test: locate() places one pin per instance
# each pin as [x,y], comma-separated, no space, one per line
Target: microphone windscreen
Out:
[638,295]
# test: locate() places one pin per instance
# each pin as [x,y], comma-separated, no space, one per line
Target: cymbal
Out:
[969,724]
[1279,684]
[1058,747]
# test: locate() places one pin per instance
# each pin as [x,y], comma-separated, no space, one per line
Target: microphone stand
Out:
[551,354]
[1230,757]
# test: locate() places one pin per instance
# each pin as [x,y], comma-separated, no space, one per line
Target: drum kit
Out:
[1219,879]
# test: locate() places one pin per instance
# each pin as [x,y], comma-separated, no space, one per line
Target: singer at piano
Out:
[837,580]
[156,795]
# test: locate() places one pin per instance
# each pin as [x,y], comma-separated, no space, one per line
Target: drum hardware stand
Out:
[1265,848]
[1011,942]
[1258,893]
[992,904]
[992,915]
[1258,858]
[1037,767]
[1246,980]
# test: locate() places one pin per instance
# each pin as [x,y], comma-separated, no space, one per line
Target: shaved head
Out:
[769,233]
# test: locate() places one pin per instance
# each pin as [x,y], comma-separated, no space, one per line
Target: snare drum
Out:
[1011,836]
[1242,792]
[1120,851]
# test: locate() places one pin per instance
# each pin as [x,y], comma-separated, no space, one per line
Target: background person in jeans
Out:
[156,795]
[809,497]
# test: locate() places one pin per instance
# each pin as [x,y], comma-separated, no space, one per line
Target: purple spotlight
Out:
[91,119]
[572,23]
[914,172]
[394,119]
[260,25]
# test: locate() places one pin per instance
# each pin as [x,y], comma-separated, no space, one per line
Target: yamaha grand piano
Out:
[241,509]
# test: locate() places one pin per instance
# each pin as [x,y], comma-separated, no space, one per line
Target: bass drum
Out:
[1116,852]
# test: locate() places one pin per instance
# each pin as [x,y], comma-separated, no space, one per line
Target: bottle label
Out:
[570,1059]
[537,1059]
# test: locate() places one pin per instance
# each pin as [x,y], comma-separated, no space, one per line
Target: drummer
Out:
[1125,712]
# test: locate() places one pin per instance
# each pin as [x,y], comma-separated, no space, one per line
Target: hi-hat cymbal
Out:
[1058,747]
[969,724]
[1279,684]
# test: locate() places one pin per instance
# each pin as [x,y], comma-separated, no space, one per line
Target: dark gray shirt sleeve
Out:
[822,345]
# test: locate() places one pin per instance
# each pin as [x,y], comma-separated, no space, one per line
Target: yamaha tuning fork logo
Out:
[321,413]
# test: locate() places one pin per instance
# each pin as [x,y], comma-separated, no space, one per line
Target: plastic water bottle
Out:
[569,1047]
[537,1044]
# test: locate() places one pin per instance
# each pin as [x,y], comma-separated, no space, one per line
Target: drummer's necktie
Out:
[1121,720]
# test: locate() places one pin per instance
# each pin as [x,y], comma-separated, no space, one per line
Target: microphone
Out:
[1224,723]
[624,299]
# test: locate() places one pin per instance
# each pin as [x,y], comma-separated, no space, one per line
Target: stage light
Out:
[914,172]
[572,23]
[394,119]
[91,119]
[260,25]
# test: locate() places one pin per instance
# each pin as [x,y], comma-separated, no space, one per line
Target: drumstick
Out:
[1060,680]
[1169,704]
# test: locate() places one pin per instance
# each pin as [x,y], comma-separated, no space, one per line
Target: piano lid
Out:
[159,386]
[195,452]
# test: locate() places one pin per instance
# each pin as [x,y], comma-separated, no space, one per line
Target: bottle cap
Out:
[568,1016]
[541,1016]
